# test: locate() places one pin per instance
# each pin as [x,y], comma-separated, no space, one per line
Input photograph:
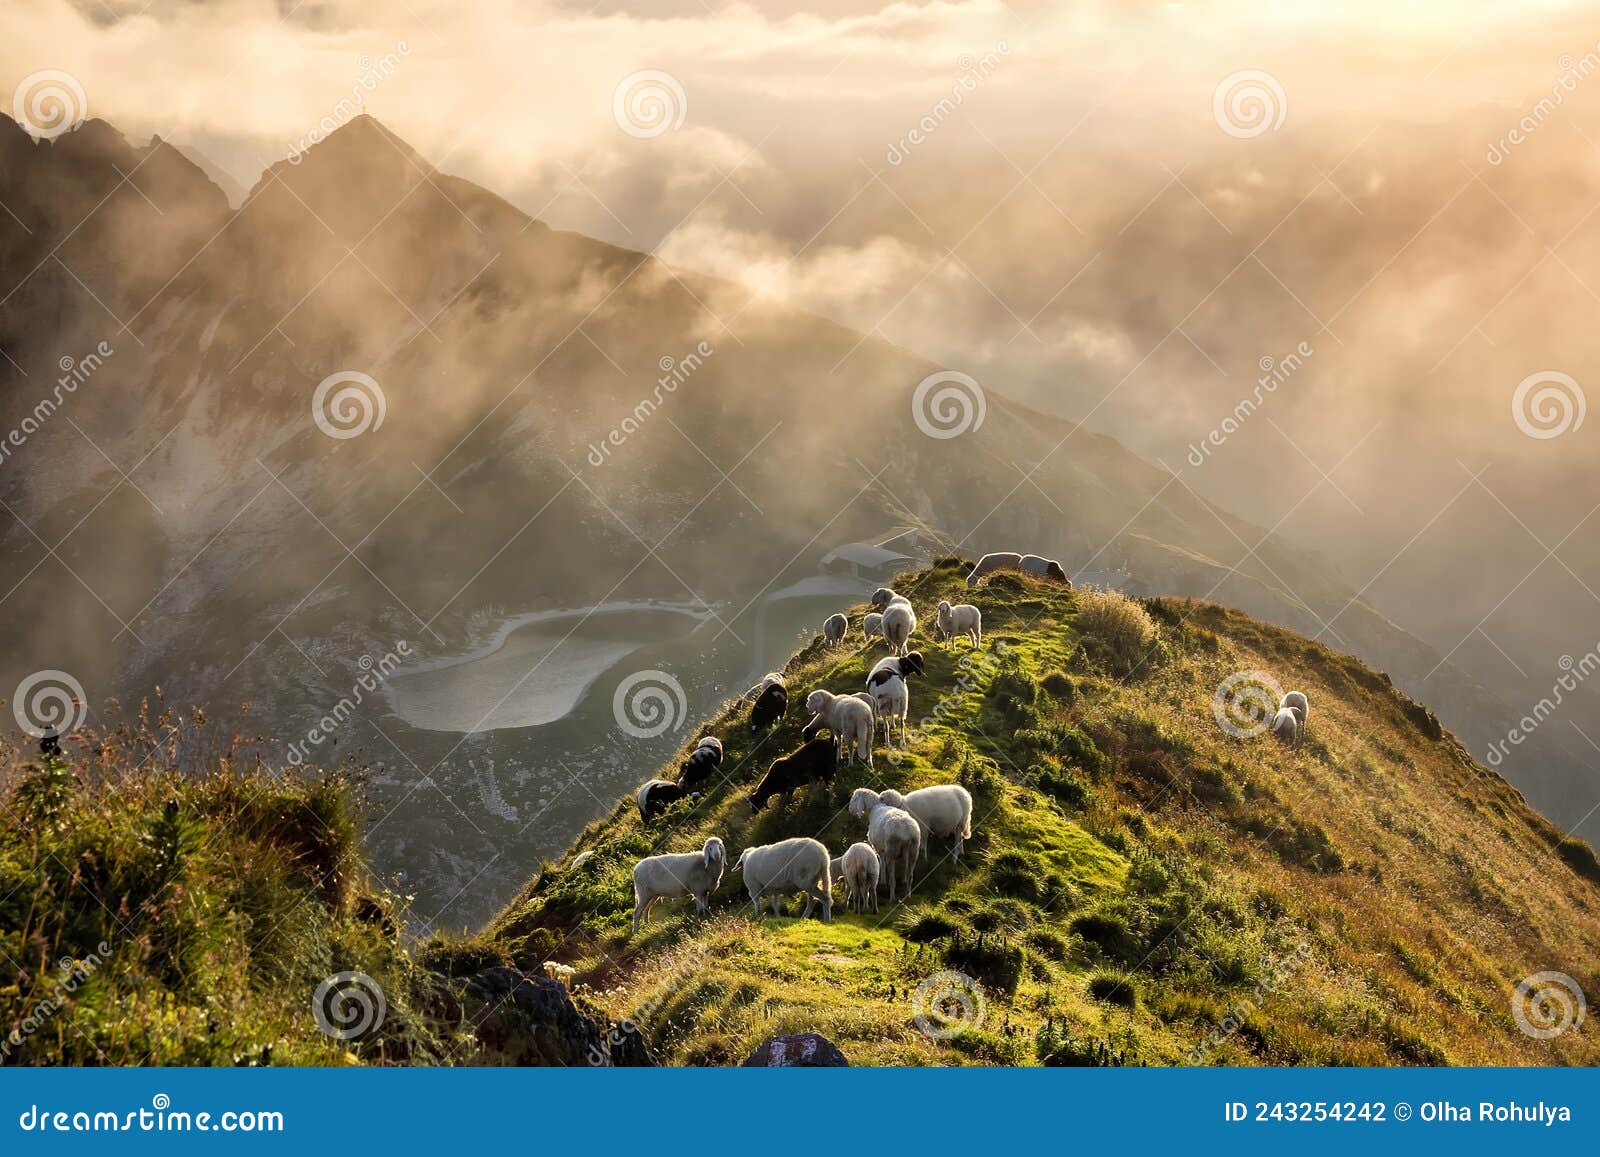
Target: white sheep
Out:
[674,874]
[1296,701]
[961,619]
[858,868]
[942,810]
[833,629]
[850,720]
[885,597]
[800,864]
[893,833]
[1029,564]
[562,974]
[1285,726]
[891,700]
[872,626]
[899,624]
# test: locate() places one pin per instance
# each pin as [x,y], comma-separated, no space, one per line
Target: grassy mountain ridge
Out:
[1142,886]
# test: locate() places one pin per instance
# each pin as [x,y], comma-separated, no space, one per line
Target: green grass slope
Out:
[1143,886]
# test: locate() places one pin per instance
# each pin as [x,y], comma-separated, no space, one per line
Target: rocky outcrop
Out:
[520,1019]
[806,1050]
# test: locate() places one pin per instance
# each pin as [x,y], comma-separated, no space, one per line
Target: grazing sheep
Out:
[858,868]
[872,626]
[961,619]
[712,742]
[1286,726]
[1296,701]
[899,624]
[833,629]
[658,795]
[701,765]
[800,864]
[850,720]
[884,597]
[674,874]
[1029,564]
[813,763]
[562,974]
[770,705]
[893,833]
[942,810]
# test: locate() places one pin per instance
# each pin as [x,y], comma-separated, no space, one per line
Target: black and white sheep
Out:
[701,765]
[905,666]
[1029,564]
[961,619]
[675,874]
[847,717]
[770,704]
[893,833]
[800,864]
[658,795]
[858,868]
[942,810]
[833,629]
[815,762]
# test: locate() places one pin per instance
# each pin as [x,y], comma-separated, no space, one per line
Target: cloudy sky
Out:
[1124,213]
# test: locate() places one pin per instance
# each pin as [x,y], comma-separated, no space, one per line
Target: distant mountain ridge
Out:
[184,520]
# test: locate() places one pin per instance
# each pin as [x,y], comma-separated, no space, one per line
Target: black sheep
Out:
[813,763]
[699,768]
[657,796]
[769,706]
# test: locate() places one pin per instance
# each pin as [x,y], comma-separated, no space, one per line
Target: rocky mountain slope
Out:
[179,516]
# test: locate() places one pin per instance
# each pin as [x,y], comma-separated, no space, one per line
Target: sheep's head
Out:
[891,798]
[911,663]
[881,597]
[818,699]
[713,743]
[944,608]
[713,854]
[1054,571]
[738,865]
[863,800]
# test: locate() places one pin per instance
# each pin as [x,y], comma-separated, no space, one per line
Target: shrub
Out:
[1059,686]
[1122,630]
[930,926]
[1049,944]
[987,959]
[1111,988]
[1109,934]
[1580,858]
[1064,786]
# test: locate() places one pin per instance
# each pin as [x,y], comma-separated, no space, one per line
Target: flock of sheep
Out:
[899,827]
